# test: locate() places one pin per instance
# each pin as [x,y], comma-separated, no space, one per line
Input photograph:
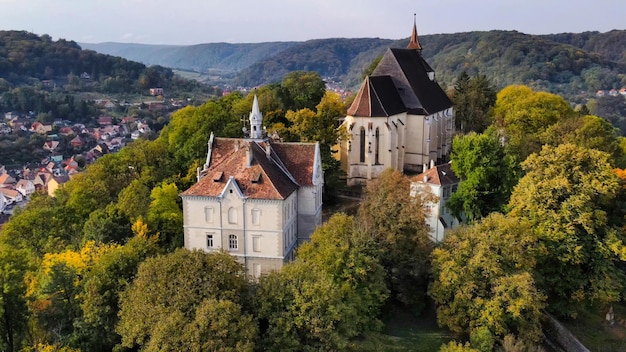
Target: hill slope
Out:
[569,64]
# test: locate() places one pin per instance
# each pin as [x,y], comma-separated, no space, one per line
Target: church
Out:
[400,118]
[255,197]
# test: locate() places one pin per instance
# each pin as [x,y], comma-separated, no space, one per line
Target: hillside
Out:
[202,57]
[570,64]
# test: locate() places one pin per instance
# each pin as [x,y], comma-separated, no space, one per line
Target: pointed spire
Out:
[256,120]
[414,43]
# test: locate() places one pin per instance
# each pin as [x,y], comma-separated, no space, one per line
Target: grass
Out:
[596,334]
[405,331]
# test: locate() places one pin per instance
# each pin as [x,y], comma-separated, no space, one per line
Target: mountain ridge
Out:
[563,63]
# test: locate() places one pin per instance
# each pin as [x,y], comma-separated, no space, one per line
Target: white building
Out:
[400,118]
[255,198]
[440,181]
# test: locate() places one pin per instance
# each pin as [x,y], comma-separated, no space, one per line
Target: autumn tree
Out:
[473,98]
[176,293]
[487,175]
[104,282]
[587,131]
[483,280]
[567,195]
[396,222]
[521,114]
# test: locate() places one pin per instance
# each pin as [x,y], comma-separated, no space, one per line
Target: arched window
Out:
[376,146]
[232,215]
[232,242]
[362,146]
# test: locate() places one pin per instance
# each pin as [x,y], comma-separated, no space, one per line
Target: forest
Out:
[99,266]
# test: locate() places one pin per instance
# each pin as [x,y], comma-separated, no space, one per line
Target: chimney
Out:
[424,168]
[236,146]
[268,150]
[432,163]
[248,157]
[425,179]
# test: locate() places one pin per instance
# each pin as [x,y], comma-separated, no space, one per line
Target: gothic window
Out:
[362,146]
[377,146]
[232,215]
[232,242]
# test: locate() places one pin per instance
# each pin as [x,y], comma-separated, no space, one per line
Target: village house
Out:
[41,128]
[256,198]
[12,196]
[25,187]
[441,182]
[400,118]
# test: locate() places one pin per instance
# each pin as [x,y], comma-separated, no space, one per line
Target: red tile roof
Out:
[288,166]
[438,175]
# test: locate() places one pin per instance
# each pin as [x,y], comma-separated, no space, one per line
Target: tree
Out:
[14,263]
[396,222]
[171,291]
[103,284]
[587,131]
[482,279]
[332,293]
[165,215]
[487,175]
[567,195]
[302,90]
[473,98]
[521,114]
[323,127]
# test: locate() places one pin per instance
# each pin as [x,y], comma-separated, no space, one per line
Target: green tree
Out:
[482,279]
[332,293]
[302,90]
[487,175]
[165,215]
[397,223]
[14,263]
[473,98]
[165,297]
[566,195]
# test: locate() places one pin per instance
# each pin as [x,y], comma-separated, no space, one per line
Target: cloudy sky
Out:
[245,21]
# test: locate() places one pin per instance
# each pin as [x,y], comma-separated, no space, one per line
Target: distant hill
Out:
[570,64]
[201,58]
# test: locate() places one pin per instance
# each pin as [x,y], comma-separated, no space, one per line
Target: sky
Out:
[186,22]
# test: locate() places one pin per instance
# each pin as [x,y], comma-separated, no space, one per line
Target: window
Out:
[362,146]
[256,243]
[208,214]
[232,242]
[256,216]
[376,146]
[209,240]
[232,215]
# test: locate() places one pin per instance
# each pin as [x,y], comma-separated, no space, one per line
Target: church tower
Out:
[256,120]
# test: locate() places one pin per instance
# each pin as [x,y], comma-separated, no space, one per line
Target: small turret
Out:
[256,120]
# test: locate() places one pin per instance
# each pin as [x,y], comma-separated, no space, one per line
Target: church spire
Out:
[414,43]
[256,120]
